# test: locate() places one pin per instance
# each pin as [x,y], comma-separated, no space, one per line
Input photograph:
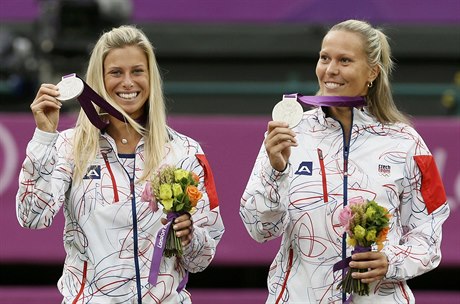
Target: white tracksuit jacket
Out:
[302,205]
[109,244]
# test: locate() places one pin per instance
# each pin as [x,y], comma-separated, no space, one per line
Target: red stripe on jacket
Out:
[208,181]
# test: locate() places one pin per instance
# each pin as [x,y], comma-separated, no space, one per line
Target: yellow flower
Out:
[351,241]
[167,204]
[179,174]
[370,212]
[359,232]
[165,191]
[371,235]
[177,189]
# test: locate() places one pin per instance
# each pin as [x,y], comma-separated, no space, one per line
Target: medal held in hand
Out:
[288,110]
[70,87]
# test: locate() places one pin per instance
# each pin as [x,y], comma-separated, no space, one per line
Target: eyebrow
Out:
[340,54]
[132,67]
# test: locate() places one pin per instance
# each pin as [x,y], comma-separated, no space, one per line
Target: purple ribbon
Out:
[87,97]
[160,244]
[329,101]
[345,264]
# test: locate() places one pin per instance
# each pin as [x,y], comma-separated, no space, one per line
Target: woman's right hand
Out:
[45,108]
[278,143]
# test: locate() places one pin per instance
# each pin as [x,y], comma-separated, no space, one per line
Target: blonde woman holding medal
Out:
[98,172]
[347,148]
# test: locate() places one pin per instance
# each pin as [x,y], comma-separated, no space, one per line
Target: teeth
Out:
[127,95]
[332,85]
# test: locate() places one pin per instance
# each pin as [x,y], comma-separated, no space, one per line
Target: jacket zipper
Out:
[288,271]
[323,175]
[135,243]
[134,217]
[346,152]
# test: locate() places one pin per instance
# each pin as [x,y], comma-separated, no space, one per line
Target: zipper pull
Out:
[345,161]
[320,154]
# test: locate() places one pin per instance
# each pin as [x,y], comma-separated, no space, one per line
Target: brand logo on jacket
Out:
[305,168]
[384,170]
[94,172]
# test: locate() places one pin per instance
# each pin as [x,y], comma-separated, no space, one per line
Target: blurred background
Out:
[225,64]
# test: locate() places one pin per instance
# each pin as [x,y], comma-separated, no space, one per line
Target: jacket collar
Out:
[361,116]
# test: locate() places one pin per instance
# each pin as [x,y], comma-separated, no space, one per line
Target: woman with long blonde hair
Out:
[99,177]
[307,174]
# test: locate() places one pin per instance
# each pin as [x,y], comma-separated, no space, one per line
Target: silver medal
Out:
[70,87]
[288,110]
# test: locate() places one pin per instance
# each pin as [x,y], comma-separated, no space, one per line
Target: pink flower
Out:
[153,206]
[345,217]
[147,196]
[356,201]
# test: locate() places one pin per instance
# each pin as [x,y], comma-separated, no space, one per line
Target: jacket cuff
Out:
[392,271]
[274,174]
[43,137]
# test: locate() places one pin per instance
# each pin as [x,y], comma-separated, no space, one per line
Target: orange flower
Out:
[387,215]
[194,195]
[195,177]
[383,235]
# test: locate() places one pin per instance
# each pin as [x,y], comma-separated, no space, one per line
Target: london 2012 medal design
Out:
[288,110]
[70,87]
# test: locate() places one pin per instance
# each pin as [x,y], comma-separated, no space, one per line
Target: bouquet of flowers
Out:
[366,223]
[176,190]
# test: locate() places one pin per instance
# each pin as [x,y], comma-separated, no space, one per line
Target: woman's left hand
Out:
[183,226]
[375,262]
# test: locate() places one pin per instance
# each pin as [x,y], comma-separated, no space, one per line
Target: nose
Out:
[128,81]
[332,68]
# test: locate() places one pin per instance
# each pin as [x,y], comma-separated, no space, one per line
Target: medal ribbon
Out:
[86,99]
[160,243]
[344,266]
[329,101]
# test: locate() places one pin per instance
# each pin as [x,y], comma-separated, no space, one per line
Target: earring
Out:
[370,84]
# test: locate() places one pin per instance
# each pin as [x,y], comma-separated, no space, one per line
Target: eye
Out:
[345,60]
[138,71]
[115,73]
[323,58]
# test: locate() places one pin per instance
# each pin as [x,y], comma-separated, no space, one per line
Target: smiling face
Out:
[126,79]
[342,68]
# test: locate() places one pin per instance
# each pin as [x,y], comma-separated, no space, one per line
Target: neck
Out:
[124,134]
[343,115]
